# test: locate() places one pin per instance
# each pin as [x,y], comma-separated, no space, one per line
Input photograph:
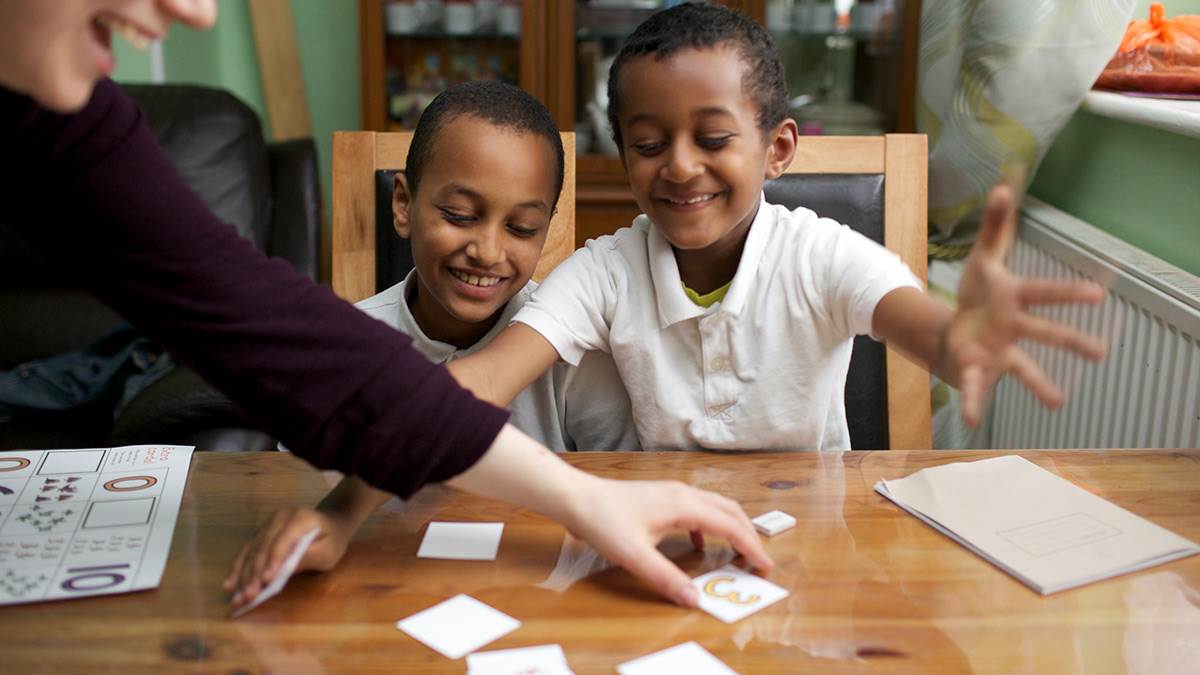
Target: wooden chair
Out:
[878,186]
[367,255]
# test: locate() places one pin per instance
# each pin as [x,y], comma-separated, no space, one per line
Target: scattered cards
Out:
[461,541]
[731,594]
[543,660]
[458,626]
[772,523]
[284,573]
[688,657]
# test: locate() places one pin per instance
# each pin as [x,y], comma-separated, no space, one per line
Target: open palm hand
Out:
[993,313]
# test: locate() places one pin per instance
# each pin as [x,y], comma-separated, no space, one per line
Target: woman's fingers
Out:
[654,569]
[704,511]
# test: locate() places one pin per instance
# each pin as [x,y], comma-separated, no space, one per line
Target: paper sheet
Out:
[1045,531]
[77,523]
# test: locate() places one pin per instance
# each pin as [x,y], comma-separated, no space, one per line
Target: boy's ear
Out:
[782,149]
[401,202]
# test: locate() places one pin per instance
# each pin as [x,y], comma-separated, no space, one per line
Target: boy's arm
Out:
[914,324]
[972,346]
[338,516]
[506,365]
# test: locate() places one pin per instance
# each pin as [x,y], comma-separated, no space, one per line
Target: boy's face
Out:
[694,153]
[477,222]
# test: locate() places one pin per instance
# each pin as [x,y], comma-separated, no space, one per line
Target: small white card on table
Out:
[688,657]
[461,541]
[541,660]
[458,626]
[731,594]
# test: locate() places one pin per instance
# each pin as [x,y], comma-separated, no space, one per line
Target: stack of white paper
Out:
[1043,530]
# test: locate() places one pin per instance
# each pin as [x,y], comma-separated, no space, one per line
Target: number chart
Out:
[99,521]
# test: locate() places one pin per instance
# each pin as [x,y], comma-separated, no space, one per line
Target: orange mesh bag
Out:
[1159,56]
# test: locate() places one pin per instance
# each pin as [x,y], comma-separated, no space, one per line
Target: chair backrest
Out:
[878,186]
[368,256]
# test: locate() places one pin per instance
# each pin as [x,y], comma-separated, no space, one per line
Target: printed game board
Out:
[75,523]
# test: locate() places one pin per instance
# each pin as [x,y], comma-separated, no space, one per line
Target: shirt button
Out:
[717,364]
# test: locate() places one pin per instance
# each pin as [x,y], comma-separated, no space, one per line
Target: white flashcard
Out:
[284,573]
[461,541]
[458,626]
[731,594]
[772,523]
[688,657]
[541,660]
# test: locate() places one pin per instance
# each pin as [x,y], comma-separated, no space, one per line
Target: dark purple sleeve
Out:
[94,193]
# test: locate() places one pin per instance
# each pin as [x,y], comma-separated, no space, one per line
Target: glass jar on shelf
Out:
[601,27]
[842,61]
[416,48]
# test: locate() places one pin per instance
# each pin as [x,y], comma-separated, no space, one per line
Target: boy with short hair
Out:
[731,320]
[482,180]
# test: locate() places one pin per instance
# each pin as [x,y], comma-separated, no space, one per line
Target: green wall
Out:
[1138,183]
[327,37]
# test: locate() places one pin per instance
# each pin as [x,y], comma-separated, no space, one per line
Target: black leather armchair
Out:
[268,191]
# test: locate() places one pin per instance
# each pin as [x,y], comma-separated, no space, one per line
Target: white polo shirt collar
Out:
[673,304]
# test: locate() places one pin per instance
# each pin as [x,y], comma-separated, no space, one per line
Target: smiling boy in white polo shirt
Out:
[731,320]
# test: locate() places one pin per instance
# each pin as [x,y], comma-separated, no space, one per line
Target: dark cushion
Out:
[857,201]
[177,409]
[216,143]
[295,220]
[393,254]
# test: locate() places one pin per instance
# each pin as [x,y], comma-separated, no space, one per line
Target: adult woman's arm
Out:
[95,194]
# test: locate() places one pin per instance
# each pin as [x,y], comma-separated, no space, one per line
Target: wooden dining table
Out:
[872,589]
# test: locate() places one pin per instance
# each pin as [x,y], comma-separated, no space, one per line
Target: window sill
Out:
[1179,117]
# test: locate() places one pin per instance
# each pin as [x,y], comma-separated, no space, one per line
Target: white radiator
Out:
[1146,394]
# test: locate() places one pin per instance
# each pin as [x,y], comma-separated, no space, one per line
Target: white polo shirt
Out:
[568,408]
[763,369]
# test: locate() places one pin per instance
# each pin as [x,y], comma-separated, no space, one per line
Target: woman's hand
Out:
[623,520]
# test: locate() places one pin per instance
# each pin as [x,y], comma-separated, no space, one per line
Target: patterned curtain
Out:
[997,81]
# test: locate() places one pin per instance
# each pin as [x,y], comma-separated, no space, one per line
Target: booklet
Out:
[1044,530]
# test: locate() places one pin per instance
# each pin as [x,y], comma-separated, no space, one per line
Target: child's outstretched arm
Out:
[338,516]
[506,365]
[972,346]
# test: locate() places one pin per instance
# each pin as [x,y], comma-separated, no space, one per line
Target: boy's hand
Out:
[980,342]
[260,558]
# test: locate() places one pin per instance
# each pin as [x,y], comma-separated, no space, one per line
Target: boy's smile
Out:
[696,157]
[477,224]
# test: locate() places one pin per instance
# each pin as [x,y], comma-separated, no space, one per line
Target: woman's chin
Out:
[66,94]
